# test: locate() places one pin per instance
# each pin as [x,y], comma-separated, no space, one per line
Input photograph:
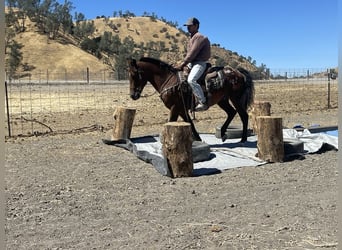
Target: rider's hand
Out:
[179,67]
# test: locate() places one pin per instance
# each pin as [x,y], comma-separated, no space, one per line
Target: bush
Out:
[164,29]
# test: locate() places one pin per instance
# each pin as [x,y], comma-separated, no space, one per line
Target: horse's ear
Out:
[132,62]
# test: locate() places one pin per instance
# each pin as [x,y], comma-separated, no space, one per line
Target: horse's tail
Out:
[247,97]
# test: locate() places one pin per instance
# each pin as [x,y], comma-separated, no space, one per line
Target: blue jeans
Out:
[197,69]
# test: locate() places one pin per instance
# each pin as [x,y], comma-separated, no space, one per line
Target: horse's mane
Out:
[157,62]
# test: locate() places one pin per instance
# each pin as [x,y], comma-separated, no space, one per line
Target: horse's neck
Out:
[158,80]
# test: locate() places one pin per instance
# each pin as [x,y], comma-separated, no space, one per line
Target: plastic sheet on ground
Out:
[223,155]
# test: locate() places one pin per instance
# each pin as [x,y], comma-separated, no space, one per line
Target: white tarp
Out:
[224,155]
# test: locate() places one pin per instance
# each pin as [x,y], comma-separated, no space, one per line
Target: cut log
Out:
[123,122]
[177,148]
[259,108]
[270,139]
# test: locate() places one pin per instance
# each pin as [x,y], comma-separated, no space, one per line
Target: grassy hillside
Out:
[41,54]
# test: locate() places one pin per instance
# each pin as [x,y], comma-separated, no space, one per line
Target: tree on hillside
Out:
[13,58]
[109,44]
[65,16]
[9,35]
[82,28]
[41,14]
[58,17]
[125,51]
[16,15]
[91,46]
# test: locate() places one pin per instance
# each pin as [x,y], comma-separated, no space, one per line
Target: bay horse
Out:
[234,95]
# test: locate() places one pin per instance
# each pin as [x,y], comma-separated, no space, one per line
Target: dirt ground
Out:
[71,191]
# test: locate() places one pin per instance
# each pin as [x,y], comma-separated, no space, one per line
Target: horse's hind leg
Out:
[231,112]
[244,118]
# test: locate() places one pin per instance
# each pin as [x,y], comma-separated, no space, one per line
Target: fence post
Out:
[329,74]
[7,108]
[88,75]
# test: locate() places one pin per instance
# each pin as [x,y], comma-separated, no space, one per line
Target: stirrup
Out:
[201,107]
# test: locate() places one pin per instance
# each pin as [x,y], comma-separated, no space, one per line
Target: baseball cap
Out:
[192,21]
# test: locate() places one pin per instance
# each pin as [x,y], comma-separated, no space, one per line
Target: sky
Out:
[281,34]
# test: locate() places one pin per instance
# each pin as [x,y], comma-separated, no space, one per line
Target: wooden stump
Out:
[259,108]
[123,122]
[177,148]
[270,139]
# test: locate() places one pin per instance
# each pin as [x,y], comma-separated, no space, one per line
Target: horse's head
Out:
[137,81]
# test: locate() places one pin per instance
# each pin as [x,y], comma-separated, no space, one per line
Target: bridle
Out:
[162,90]
[137,90]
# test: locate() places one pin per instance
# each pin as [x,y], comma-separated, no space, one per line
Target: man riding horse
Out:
[231,89]
[196,59]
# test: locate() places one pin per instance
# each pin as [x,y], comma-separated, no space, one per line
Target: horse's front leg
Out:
[195,135]
[174,113]
[186,118]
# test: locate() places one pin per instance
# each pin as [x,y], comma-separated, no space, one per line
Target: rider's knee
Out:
[192,81]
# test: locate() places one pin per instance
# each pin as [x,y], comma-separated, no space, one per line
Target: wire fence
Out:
[81,102]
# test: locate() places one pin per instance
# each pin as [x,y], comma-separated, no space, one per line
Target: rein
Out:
[146,96]
[163,91]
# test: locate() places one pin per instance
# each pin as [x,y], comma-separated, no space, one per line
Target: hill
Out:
[142,30]
[41,54]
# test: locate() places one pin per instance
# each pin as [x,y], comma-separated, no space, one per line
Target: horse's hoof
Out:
[224,137]
[197,139]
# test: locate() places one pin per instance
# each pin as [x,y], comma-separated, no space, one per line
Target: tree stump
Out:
[270,139]
[177,148]
[123,122]
[259,108]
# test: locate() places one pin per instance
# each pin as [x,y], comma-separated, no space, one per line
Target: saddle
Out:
[212,79]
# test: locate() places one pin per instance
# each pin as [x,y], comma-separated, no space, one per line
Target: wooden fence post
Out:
[259,108]
[177,148]
[123,122]
[270,139]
